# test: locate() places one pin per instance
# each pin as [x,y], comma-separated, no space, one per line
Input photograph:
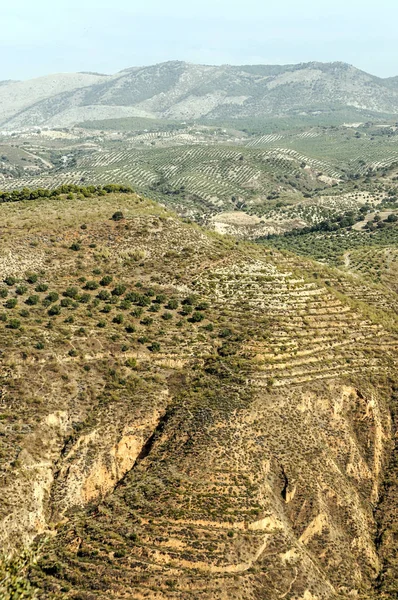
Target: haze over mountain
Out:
[179,90]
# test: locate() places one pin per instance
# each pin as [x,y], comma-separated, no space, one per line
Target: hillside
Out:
[189,416]
[182,91]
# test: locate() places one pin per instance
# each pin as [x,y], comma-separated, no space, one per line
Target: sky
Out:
[40,37]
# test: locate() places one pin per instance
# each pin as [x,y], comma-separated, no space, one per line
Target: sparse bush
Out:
[125,304]
[71,292]
[32,278]
[197,317]
[117,216]
[10,280]
[21,290]
[103,295]
[66,302]
[32,300]
[147,321]
[106,280]
[118,319]
[41,287]
[11,303]
[54,310]
[189,301]
[119,290]
[172,304]
[14,324]
[52,297]
[91,285]
[101,324]
[167,316]
[202,306]
[75,246]
[84,298]
[130,328]
[3,292]
[154,347]
[154,307]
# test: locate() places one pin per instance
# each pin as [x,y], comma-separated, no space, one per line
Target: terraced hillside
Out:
[189,416]
[237,182]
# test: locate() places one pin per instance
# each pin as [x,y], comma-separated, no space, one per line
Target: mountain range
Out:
[181,91]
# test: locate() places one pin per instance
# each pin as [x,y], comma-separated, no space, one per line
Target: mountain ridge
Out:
[187,91]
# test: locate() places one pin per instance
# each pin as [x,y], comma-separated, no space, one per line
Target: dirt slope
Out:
[236,448]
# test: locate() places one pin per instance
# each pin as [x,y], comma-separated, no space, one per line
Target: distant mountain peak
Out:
[179,90]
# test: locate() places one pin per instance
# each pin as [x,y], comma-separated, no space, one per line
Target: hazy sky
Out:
[47,36]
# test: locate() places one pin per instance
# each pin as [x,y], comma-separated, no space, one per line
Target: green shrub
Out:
[11,303]
[161,298]
[39,346]
[137,312]
[101,324]
[14,324]
[32,278]
[71,292]
[119,290]
[103,295]
[24,313]
[52,297]
[147,321]
[21,290]
[106,280]
[186,309]
[202,306]
[42,287]
[118,319]
[167,316]
[125,304]
[117,216]
[73,352]
[3,292]
[32,300]
[143,301]
[197,317]
[10,280]
[130,328]
[84,298]
[3,317]
[154,307]
[131,363]
[75,246]
[54,310]
[107,309]
[154,347]
[91,285]
[66,302]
